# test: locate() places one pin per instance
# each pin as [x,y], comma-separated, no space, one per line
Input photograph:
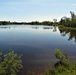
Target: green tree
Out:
[69,22]
[10,63]
[72,15]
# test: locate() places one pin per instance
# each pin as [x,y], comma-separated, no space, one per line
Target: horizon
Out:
[35,10]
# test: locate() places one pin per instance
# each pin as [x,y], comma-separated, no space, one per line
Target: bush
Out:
[64,66]
[10,63]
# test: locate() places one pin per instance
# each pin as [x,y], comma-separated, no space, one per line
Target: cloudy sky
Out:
[32,10]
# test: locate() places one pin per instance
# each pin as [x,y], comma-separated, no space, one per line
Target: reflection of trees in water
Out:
[54,30]
[70,32]
[4,27]
[47,28]
[35,27]
[43,27]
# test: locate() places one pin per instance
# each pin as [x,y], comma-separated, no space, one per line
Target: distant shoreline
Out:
[27,23]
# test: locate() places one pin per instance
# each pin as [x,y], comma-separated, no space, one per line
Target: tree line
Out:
[68,22]
[64,21]
[27,23]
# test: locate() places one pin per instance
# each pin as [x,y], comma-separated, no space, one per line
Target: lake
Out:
[37,44]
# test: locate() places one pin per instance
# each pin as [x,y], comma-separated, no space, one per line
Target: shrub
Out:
[64,66]
[10,63]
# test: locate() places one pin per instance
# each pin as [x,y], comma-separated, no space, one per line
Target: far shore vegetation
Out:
[64,22]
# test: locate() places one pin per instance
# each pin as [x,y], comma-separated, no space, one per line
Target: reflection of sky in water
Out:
[35,36]
[36,43]
[27,35]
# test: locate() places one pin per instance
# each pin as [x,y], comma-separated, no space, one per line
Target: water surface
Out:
[36,43]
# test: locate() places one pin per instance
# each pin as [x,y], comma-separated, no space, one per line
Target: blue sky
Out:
[32,10]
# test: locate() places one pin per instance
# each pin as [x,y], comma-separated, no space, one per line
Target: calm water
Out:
[36,43]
